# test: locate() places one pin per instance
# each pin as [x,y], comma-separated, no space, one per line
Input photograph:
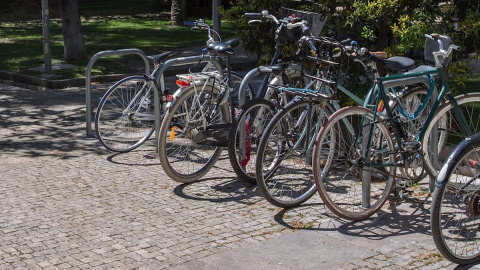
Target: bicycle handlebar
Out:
[200,24]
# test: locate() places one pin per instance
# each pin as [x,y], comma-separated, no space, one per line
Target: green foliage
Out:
[470,27]
[460,72]
[259,37]
[410,32]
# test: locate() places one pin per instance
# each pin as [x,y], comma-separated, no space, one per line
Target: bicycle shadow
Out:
[399,218]
[469,266]
[219,190]
[136,157]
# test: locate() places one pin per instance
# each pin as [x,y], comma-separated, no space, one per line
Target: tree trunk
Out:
[74,45]
[179,12]
[383,31]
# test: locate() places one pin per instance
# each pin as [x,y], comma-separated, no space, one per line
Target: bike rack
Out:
[88,78]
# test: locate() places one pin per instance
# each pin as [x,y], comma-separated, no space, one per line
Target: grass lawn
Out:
[21,44]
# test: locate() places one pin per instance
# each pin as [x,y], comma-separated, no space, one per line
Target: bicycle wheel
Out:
[455,211]
[351,185]
[448,130]
[255,115]
[183,159]
[283,163]
[125,115]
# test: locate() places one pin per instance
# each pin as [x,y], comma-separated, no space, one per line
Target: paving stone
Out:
[68,203]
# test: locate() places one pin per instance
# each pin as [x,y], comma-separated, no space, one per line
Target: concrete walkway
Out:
[67,203]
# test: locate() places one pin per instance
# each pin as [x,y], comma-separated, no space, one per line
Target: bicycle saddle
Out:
[160,57]
[223,47]
[399,63]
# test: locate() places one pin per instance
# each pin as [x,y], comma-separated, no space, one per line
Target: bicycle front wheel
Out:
[284,157]
[183,158]
[455,211]
[352,184]
[125,115]
[253,117]
[445,130]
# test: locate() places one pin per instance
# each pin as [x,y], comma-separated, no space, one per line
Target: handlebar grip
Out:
[188,23]
[254,15]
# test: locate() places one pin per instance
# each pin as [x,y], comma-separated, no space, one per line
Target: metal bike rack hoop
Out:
[88,78]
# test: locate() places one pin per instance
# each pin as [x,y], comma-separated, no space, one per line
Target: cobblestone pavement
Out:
[66,203]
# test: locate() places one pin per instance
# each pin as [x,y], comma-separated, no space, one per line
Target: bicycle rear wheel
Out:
[125,115]
[183,159]
[283,163]
[455,211]
[351,185]
[438,145]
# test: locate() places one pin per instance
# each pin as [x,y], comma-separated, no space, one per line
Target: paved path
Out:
[66,203]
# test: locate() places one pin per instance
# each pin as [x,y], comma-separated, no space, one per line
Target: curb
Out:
[41,84]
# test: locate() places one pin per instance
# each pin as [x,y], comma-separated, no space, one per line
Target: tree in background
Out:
[74,45]
[397,26]
[178,12]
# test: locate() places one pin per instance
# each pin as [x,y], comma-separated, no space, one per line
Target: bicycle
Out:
[125,115]
[253,116]
[193,135]
[454,214]
[358,150]
[283,164]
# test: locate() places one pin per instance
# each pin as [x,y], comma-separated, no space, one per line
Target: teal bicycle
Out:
[284,154]
[360,152]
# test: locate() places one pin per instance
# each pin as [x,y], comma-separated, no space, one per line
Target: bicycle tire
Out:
[449,131]
[283,164]
[119,129]
[182,159]
[455,205]
[244,164]
[338,174]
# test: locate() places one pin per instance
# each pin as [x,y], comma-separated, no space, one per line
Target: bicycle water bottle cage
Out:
[223,48]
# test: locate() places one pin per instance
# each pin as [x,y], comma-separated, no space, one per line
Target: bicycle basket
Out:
[315,21]
[326,60]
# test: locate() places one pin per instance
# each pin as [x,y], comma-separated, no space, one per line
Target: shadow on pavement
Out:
[43,123]
[408,217]
[220,189]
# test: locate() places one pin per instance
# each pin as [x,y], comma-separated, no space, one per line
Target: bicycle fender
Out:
[447,168]
[174,97]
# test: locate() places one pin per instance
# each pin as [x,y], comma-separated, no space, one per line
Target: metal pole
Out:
[88,78]
[46,37]
[216,18]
